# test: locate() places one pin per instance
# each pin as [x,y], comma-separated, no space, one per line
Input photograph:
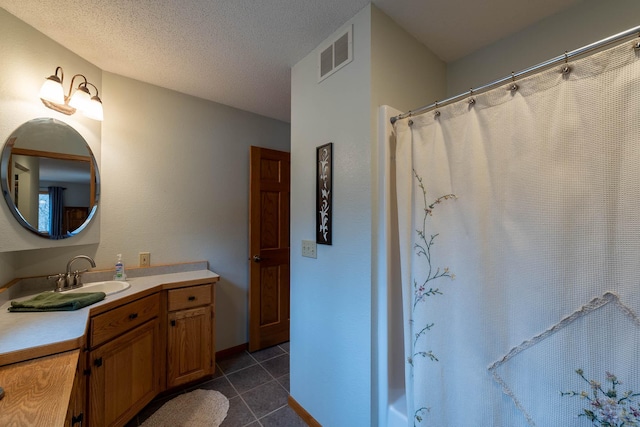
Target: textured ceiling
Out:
[239,52]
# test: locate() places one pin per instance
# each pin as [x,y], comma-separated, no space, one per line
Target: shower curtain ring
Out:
[514,87]
[566,68]
[471,100]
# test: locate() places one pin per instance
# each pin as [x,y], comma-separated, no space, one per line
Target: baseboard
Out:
[302,413]
[232,351]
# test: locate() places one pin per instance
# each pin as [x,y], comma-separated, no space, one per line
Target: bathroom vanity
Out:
[100,365]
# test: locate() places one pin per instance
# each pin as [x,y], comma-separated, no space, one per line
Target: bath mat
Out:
[199,408]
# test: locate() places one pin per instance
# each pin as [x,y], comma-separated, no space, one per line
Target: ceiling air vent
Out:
[335,56]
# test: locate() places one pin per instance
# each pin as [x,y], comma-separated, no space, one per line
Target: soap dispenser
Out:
[120,275]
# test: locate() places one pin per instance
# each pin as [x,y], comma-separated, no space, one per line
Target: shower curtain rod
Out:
[564,57]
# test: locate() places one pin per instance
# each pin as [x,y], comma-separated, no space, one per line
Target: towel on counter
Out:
[54,301]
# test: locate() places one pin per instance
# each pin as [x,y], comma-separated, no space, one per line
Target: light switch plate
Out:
[309,249]
[145,259]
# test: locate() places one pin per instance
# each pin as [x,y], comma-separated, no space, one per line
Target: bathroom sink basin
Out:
[108,287]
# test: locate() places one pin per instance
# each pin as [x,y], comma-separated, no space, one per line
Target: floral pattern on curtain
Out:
[540,326]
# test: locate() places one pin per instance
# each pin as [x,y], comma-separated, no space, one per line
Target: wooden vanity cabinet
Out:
[190,334]
[123,366]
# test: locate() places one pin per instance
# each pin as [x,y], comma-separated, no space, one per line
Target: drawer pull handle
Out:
[191,298]
[173,322]
[133,316]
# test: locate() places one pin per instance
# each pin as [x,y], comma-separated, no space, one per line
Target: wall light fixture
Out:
[79,98]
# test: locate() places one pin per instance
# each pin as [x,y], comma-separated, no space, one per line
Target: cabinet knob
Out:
[191,298]
[133,316]
[173,322]
[98,362]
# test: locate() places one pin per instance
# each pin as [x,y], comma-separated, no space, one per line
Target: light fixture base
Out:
[61,108]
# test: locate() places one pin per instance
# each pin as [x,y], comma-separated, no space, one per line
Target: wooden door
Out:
[189,346]
[269,248]
[124,376]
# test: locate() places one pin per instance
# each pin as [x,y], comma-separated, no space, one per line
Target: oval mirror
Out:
[49,178]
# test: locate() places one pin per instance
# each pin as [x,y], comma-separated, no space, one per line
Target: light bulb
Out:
[52,90]
[94,109]
[80,99]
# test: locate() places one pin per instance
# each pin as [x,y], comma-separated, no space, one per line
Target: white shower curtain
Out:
[519,225]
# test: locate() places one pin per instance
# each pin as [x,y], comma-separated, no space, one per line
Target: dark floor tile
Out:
[238,415]
[283,417]
[267,353]
[284,382]
[235,363]
[278,366]
[285,346]
[249,378]
[221,384]
[266,398]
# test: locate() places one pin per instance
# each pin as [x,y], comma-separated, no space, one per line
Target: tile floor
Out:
[257,386]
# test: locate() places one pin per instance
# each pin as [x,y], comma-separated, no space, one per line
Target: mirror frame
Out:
[8,151]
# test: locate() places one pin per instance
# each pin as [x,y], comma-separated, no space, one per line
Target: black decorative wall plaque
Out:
[324,205]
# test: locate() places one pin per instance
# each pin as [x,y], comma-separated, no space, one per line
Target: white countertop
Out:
[22,331]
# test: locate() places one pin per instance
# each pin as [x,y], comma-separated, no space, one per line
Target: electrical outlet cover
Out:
[309,249]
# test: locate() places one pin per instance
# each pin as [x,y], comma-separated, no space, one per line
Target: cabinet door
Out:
[124,376]
[75,411]
[189,345]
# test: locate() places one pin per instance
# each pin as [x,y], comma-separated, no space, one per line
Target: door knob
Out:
[257,258]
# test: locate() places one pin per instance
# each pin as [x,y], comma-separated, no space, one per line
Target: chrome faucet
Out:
[74,280]
[61,282]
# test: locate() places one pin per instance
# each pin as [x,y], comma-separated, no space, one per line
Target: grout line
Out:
[255,418]
[273,378]
[272,412]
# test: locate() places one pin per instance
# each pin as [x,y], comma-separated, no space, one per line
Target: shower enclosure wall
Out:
[391,370]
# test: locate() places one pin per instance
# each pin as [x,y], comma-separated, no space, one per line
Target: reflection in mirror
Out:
[49,178]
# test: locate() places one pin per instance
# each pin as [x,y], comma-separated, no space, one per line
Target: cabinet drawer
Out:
[193,296]
[119,320]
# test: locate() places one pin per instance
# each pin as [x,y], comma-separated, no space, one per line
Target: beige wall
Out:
[404,73]
[174,173]
[585,23]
